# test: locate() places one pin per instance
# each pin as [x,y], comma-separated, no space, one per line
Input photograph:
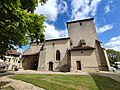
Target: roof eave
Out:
[82,48]
[80,20]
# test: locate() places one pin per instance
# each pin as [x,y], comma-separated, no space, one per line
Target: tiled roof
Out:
[82,48]
[13,52]
[30,54]
[56,39]
[32,50]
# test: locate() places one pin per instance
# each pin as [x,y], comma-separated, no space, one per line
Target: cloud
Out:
[115,38]
[107,9]
[63,33]
[114,43]
[84,8]
[110,1]
[104,28]
[51,9]
[51,32]
[62,7]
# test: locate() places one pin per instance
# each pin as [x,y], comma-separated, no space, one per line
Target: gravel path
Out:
[18,84]
[115,76]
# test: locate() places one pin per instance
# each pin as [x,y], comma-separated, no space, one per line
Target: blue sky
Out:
[106,14]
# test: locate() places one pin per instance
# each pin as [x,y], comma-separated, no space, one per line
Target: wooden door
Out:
[78,65]
[50,66]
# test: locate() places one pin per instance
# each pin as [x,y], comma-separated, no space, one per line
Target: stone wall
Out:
[87,58]
[51,47]
[41,62]
[103,65]
[84,31]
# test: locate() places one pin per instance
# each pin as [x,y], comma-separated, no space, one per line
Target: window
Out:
[18,61]
[71,43]
[53,44]
[80,24]
[81,52]
[9,59]
[58,55]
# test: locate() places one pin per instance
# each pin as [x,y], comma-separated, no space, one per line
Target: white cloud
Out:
[107,9]
[62,7]
[63,33]
[84,8]
[110,1]
[115,38]
[114,43]
[51,9]
[93,6]
[104,28]
[51,32]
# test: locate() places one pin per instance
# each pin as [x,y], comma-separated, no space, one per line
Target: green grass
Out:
[70,82]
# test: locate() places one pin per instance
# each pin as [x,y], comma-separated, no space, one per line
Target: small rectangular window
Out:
[53,44]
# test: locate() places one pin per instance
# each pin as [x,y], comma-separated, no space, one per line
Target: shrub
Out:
[65,68]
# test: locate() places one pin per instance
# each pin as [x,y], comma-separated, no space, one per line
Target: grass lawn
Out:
[70,82]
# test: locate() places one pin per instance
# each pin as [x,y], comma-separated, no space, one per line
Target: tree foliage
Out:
[113,56]
[19,25]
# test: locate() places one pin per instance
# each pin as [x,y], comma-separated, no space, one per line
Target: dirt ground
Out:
[18,84]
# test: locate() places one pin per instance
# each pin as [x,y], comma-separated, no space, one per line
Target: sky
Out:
[106,14]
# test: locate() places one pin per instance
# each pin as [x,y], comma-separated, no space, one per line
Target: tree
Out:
[19,25]
[113,56]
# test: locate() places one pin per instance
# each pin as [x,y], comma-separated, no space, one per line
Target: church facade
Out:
[81,51]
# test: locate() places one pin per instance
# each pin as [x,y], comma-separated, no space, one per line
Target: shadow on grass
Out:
[6,73]
[2,84]
[104,82]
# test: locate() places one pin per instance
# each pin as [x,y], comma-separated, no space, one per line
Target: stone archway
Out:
[30,62]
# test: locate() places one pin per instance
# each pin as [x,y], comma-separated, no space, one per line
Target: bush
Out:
[115,66]
[65,68]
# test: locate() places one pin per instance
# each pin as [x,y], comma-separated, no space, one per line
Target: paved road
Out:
[118,70]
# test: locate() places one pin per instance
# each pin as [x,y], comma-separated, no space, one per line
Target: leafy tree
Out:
[113,56]
[19,25]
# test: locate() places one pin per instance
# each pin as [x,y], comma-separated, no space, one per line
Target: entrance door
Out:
[50,66]
[78,65]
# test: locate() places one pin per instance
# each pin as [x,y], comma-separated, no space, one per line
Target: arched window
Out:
[58,55]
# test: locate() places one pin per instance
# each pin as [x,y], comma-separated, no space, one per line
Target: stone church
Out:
[81,51]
